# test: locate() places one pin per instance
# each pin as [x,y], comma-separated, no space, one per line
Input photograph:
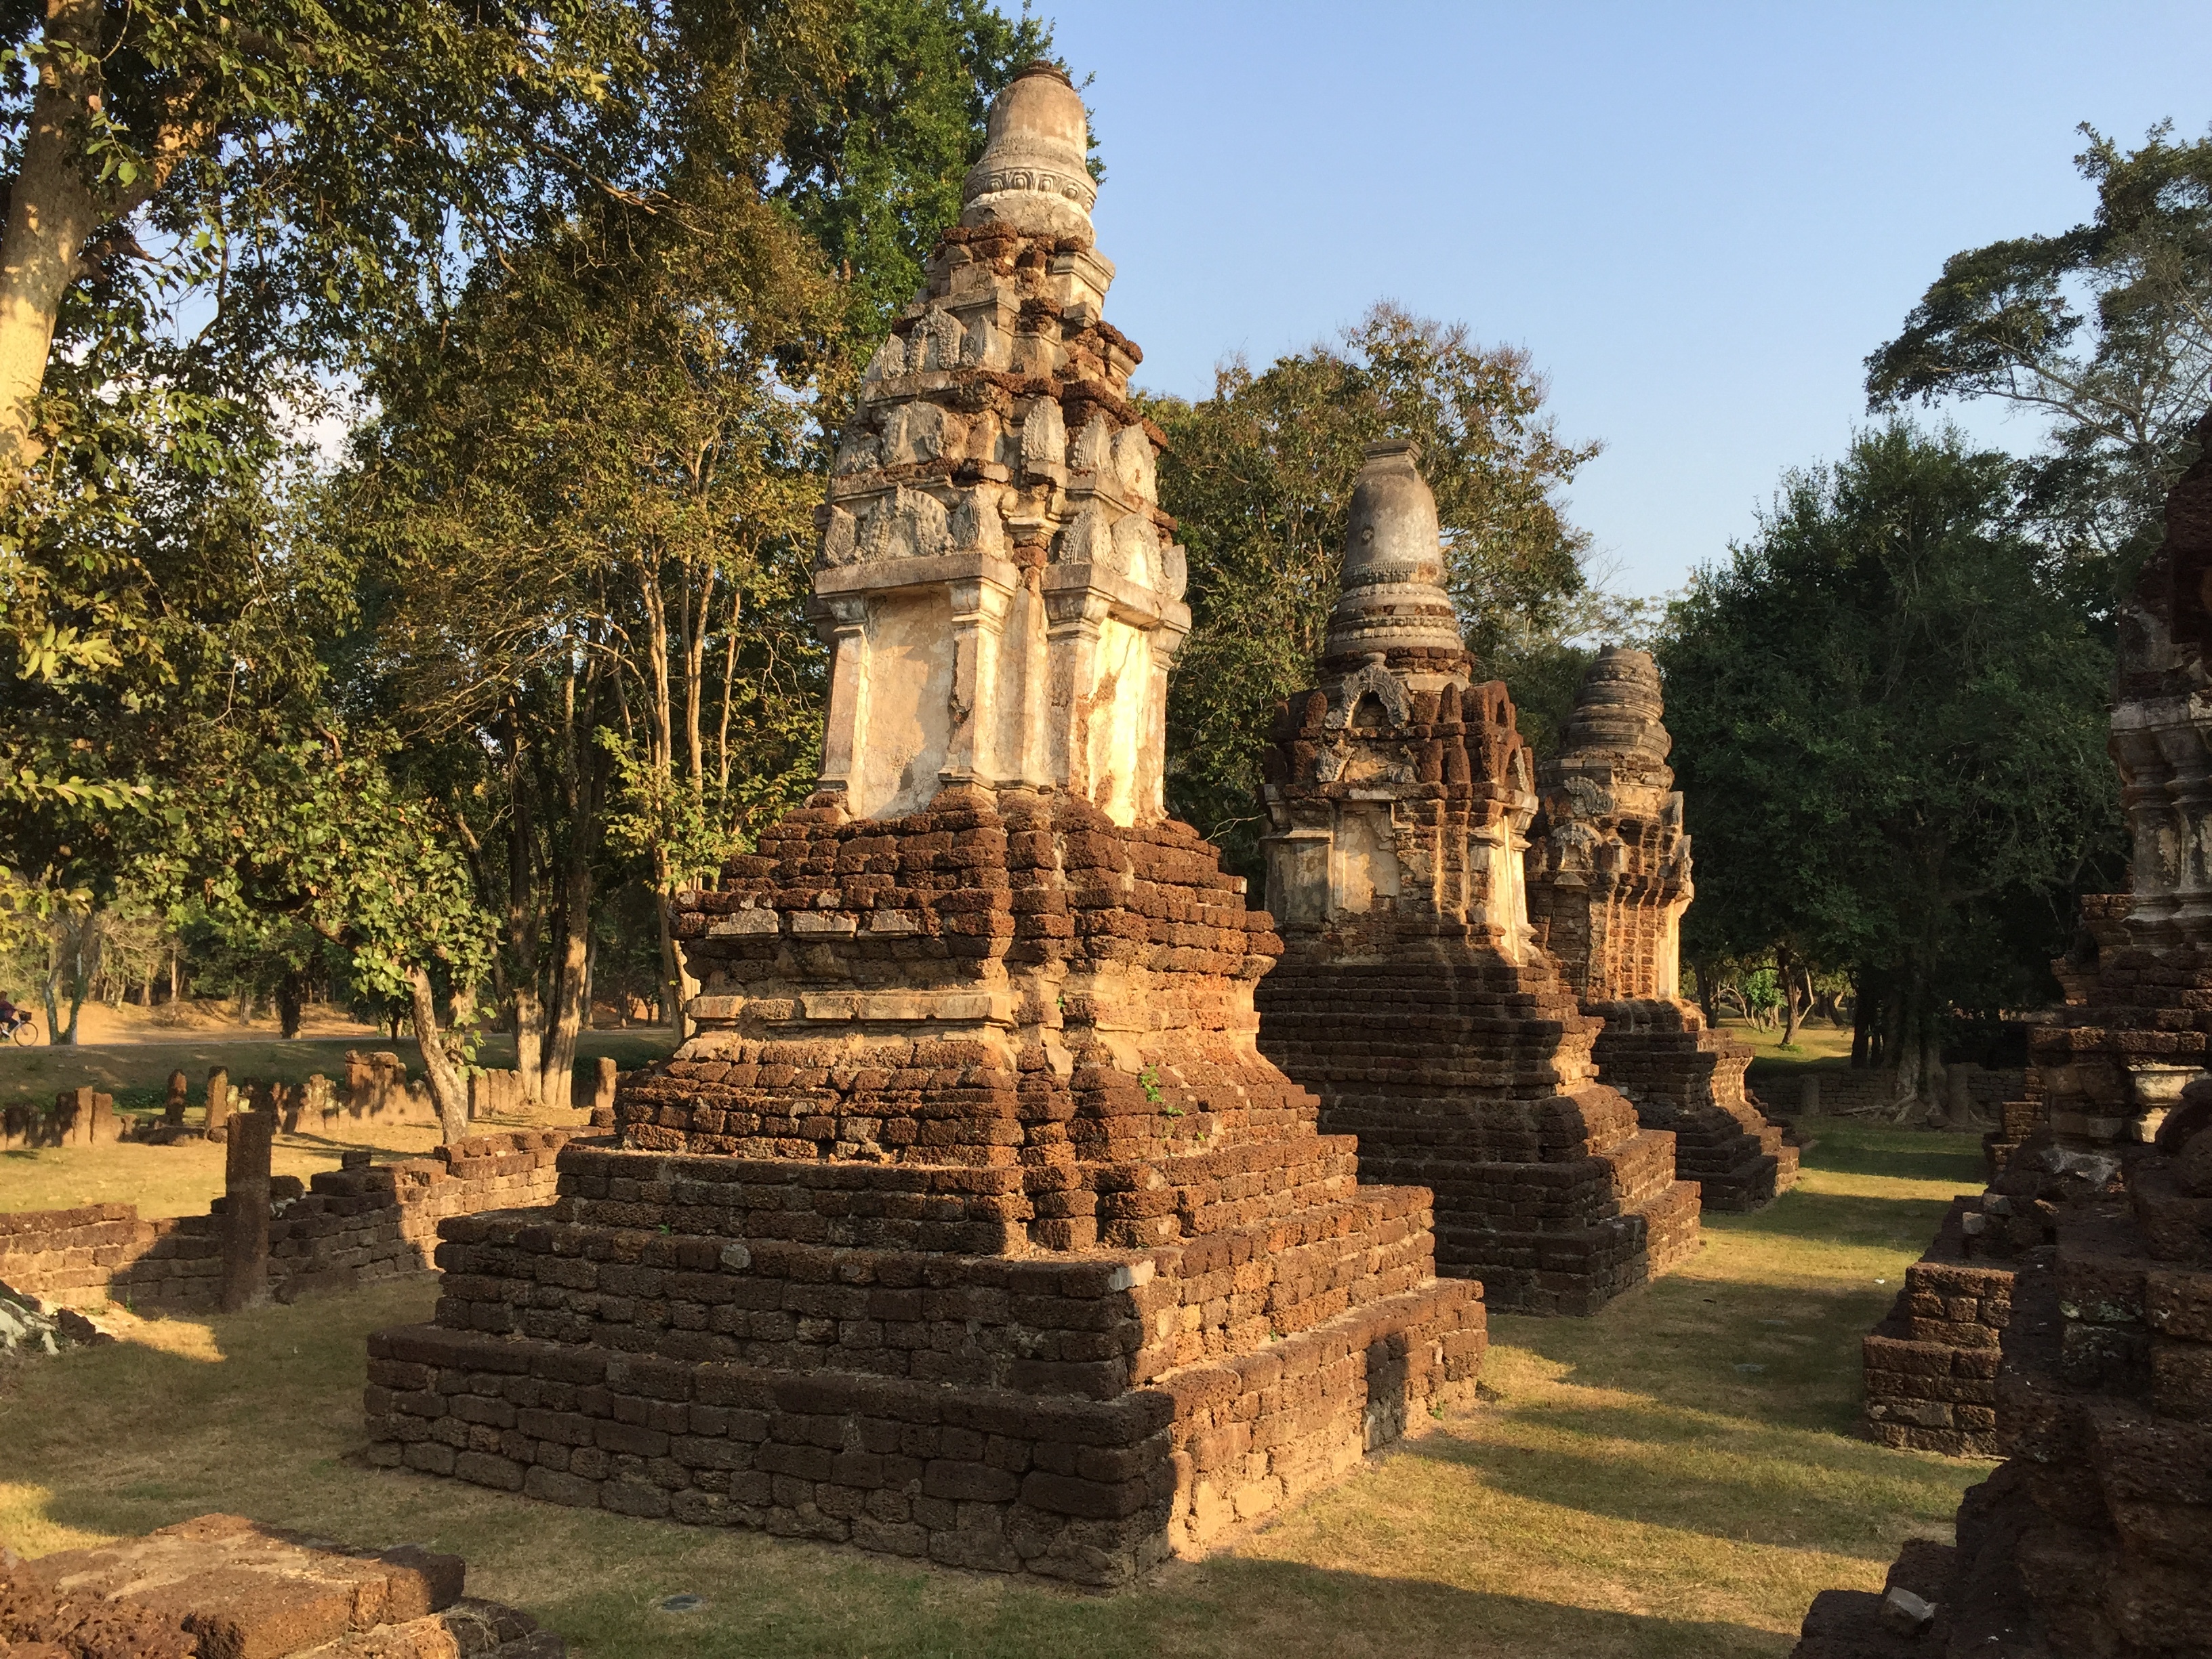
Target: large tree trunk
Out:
[584,767]
[729,675]
[51,214]
[572,983]
[72,962]
[523,920]
[660,739]
[448,1088]
[290,993]
[54,207]
[1785,967]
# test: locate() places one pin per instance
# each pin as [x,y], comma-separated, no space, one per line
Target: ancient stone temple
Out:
[970,1224]
[1608,872]
[2089,1539]
[1412,995]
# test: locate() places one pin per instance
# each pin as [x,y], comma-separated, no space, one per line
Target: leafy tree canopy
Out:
[2105,329]
[1889,723]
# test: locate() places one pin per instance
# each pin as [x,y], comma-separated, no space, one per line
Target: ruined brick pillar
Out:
[173,1106]
[250,1139]
[2096,1237]
[1412,996]
[218,1104]
[1608,873]
[970,1224]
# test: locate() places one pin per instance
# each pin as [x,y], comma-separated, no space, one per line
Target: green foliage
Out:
[2105,329]
[1259,477]
[298,844]
[286,181]
[874,160]
[1889,728]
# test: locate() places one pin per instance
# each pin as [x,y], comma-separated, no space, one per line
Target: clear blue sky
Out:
[1699,220]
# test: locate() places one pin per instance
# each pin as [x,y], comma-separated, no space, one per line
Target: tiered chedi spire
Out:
[1608,873]
[974,1156]
[1411,996]
[1000,590]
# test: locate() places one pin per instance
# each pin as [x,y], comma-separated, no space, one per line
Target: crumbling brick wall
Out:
[66,1257]
[220,1585]
[346,1227]
[1931,1364]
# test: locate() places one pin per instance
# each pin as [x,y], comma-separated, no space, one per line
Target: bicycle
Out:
[24,1033]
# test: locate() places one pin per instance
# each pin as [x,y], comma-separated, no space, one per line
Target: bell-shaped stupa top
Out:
[1032,177]
[1619,714]
[1394,597]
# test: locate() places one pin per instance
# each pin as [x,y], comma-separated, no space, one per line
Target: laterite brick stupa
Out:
[970,1224]
[1608,872]
[2091,1537]
[1412,996]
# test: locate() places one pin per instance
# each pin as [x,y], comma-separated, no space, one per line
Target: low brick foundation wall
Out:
[1931,1366]
[1844,1089]
[346,1227]
[57,1255]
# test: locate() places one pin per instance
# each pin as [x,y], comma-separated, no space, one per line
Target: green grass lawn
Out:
[1816,1045]
[1677,1476]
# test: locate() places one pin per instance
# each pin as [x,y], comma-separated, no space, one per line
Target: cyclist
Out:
[12,1019]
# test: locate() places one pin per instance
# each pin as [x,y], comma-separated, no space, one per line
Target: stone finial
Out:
[1032,176]
[1618,713]
[1394,596]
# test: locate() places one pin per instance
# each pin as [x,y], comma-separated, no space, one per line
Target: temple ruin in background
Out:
[971,1224]
[1608,872]
[1412,996]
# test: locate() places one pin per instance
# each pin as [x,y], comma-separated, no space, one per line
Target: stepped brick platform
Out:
[1073,1311]
[1608,878]
[971,1225]
[2089,1539]
[1411,997]
[1451,1078]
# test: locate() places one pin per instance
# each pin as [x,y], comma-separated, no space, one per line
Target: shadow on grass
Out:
[1846,1153]
[1844,1218]
[1224,1607]
[1745,1356]
[125,1438]
[1748,1486]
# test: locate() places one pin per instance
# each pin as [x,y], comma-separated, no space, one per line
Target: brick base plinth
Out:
[1575,1273]
[1091,1490]
[1079,1415]
[1686,1079]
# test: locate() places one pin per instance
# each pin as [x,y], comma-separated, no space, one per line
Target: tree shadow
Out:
[1779,1498]
[1838,1154]
[1850,1219]
[269,1430]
